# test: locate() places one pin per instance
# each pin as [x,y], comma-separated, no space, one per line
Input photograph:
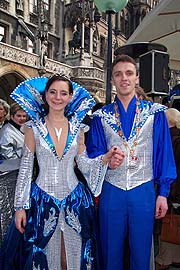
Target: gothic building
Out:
[40,37]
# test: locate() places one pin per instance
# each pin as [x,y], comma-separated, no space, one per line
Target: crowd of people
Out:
[94,188]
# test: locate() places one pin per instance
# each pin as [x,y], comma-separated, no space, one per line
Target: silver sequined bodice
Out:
[56,177]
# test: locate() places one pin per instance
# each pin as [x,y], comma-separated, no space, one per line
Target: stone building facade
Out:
[40,37]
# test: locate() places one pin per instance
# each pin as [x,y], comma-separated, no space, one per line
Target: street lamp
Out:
[110,7]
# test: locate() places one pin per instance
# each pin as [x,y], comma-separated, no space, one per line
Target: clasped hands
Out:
[114,157]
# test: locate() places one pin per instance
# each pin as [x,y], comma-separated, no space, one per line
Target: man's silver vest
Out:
[132,173]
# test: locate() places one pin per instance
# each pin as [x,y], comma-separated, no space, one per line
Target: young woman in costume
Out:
[58,226]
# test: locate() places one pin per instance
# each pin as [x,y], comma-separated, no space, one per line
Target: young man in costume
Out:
[127,196]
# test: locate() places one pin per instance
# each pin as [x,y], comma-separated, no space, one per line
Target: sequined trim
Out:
[147,108]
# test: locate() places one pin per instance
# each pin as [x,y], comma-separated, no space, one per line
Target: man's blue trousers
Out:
[121,212]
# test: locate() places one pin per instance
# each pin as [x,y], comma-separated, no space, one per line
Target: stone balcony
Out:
[91,78]
[24,58]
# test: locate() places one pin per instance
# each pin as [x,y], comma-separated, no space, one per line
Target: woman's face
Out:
[19,117]
[2,112]
[58,96]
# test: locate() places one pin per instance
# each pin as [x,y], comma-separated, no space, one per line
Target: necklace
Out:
[131,149]
[57,131]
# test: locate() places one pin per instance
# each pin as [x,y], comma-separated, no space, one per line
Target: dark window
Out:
[102,46]
[3,33]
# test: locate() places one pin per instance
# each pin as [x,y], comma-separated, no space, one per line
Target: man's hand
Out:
[161,207]
[114,157]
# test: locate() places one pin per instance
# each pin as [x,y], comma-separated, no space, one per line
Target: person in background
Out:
[168,252]
[141,95]
[127,195]
[55,214]
[165,101]
[11,145]
[11,135]
[4,112]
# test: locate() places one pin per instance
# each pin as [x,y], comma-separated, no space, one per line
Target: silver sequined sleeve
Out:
[93,170]
[24,180]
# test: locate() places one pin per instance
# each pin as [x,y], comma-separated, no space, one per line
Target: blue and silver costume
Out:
[127,196]
[57,201]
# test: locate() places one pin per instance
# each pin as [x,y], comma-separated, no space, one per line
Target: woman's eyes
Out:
[63,93]
[51,91]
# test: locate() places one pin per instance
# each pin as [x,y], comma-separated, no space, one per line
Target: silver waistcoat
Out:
[132,173]
[11,142]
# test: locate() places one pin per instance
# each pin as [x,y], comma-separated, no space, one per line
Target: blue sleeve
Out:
[164,167]
[96,143]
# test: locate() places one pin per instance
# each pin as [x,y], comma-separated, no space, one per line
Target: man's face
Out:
[124,79]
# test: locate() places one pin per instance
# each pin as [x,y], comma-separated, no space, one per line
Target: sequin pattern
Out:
[133,172]
[24,180]
[93,170]
[57,178]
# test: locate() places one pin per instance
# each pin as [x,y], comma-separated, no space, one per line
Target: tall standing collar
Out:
[28,94]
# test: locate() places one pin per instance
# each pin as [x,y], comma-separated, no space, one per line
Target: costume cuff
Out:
[93,170]
[164,189]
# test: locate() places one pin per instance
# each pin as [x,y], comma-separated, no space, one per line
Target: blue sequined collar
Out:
[28,94]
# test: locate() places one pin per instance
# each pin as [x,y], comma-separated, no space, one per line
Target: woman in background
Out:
[11,134]
[4,112]
[11,145]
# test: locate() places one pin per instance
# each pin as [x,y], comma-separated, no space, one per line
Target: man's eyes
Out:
[129,73]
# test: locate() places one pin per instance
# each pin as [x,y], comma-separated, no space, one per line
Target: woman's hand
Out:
[114,157]
[20,220]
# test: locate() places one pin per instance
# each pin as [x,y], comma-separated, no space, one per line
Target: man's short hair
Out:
[124,58]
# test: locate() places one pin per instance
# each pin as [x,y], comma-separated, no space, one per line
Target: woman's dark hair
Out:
[59,77]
